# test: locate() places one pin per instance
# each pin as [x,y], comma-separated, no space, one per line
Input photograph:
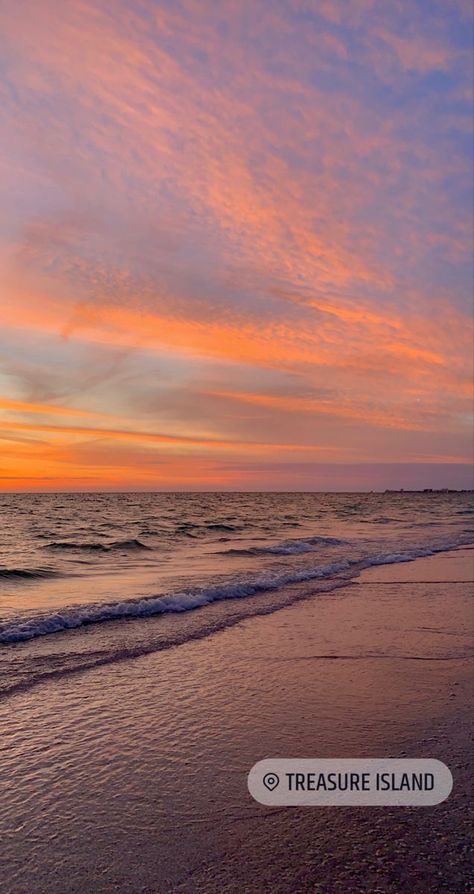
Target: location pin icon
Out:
[270,781]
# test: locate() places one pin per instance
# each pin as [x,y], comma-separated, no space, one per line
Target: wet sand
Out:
[132,778]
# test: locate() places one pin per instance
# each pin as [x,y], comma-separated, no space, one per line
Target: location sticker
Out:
[374,782]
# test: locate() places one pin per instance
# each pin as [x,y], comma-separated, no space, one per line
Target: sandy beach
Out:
[132,777]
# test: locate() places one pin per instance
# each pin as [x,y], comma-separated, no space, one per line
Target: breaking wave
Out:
[18,630]
[288,548]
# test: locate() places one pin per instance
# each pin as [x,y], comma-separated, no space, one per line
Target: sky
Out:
[235,244]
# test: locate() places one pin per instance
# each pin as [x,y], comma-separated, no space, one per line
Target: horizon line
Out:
[388,490]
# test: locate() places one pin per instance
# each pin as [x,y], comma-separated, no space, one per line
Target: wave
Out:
[26,573]
[97,546]
[70,662]
[198,529]
[223,527]
[288,548]
[21,629]
[82,615]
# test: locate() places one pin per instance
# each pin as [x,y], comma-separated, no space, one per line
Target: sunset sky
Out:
[235,244]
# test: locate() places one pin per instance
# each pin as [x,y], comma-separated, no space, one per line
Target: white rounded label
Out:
[279,782]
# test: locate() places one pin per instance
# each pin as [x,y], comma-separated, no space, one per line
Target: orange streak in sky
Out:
[23,406]
[270,344]
[162,438]
[332,408]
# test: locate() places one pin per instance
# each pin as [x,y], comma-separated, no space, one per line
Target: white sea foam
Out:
[287,548]
[76,616]
[156,605]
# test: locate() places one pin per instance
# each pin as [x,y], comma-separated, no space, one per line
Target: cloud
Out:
[207,194]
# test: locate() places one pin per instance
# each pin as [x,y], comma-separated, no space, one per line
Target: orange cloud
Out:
[157,438]
[22,406]
[298,405]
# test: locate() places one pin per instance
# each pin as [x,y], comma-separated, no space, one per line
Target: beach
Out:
[131,777]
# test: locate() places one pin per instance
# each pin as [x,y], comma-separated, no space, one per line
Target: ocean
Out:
[91,579]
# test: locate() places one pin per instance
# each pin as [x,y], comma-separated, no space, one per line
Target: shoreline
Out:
[89,636]
[133,776]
